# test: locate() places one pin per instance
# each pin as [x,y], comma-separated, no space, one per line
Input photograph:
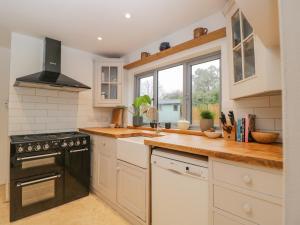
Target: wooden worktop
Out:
[112,132]
[251,153]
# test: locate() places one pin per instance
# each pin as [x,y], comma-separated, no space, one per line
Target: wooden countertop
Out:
[252,153]
[118,132]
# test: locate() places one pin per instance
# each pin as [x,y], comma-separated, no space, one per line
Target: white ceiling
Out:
[78,23]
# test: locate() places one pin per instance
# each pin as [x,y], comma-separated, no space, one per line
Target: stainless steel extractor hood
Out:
[51,77]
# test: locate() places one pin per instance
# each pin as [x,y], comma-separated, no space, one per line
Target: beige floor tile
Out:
[86,211]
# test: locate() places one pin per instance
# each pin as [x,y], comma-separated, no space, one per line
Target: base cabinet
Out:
[104,167]
[245,194]
[223,219]
[131,188]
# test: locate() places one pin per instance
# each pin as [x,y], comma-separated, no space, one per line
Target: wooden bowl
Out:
[211,134]
[265,137]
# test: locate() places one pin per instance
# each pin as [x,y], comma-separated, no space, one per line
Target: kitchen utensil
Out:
[231,117]
[265,137]
[183,124]
[200,31]
[212,135]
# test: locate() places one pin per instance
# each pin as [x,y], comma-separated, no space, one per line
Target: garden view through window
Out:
[184,90]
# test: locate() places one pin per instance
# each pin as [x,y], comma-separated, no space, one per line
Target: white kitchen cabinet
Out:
[108,82]
[104,167]
[131,188]
[244,192]
[254,68]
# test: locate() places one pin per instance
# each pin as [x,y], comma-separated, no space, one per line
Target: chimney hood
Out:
[51,77]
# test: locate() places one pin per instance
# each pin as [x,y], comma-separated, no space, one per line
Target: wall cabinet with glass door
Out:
[108,80]
[254,68]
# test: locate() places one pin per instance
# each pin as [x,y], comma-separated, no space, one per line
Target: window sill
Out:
[176,131]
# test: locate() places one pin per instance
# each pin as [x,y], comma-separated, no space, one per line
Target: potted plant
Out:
[207,120]
[140,106]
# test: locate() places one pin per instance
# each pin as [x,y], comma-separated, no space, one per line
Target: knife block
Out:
[230,136]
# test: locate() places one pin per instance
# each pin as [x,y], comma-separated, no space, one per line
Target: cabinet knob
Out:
[247,179]
[118,168]
[247,208]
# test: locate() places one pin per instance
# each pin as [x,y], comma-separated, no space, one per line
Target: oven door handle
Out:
[38,180]
[38,156]
[79,150]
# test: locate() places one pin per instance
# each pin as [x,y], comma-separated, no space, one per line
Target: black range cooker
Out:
[47,170]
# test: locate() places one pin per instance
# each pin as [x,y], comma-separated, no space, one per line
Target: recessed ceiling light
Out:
[127,15]
[99,38]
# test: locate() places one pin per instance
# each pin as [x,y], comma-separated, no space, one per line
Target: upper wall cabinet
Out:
[263,15]
[108,82]
[254,68]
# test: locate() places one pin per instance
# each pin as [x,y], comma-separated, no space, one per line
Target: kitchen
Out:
[64,94]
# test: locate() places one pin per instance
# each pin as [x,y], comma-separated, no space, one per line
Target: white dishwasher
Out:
[179,189]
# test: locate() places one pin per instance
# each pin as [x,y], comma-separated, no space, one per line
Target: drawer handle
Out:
[247,179]
[247,208]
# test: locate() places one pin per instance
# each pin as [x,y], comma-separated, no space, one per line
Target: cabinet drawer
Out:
[251,179]
[221,219]
[247,207]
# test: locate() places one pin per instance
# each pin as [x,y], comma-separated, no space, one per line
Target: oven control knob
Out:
[77,143]
[38,147]
[71,143]
[29,148]
[46,146]
[20,149]
[84,142]
[64,144]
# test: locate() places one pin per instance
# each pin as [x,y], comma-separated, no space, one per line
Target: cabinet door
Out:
[131,189]
[220,219]
[106,176]
[104,168]
[108,84]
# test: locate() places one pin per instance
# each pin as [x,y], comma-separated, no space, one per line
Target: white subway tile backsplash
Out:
[278,124]
[263,101]
[22,91]
[36,99]
[33,126]
[268,113]
[62,100]
[266,124]
[15,98]
[275,100]
[46,93]
[64,94]
[45,119]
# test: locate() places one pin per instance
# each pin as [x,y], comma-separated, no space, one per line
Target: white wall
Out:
[4,81]
[213,22]
[290,36]
[37,110]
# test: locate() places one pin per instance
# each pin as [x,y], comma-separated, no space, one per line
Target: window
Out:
[183,90]
[170,92]
[205,91]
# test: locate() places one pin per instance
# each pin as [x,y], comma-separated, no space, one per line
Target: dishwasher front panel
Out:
[179,196]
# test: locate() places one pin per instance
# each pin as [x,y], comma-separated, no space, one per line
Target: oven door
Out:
[30,165]
[35,194]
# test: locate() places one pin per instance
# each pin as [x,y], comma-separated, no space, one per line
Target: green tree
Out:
[206,86]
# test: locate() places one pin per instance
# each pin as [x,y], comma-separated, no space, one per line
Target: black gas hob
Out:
[54,165]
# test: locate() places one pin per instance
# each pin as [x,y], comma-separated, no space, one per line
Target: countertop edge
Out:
[269,163]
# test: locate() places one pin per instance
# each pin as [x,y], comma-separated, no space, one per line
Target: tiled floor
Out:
[86,211]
